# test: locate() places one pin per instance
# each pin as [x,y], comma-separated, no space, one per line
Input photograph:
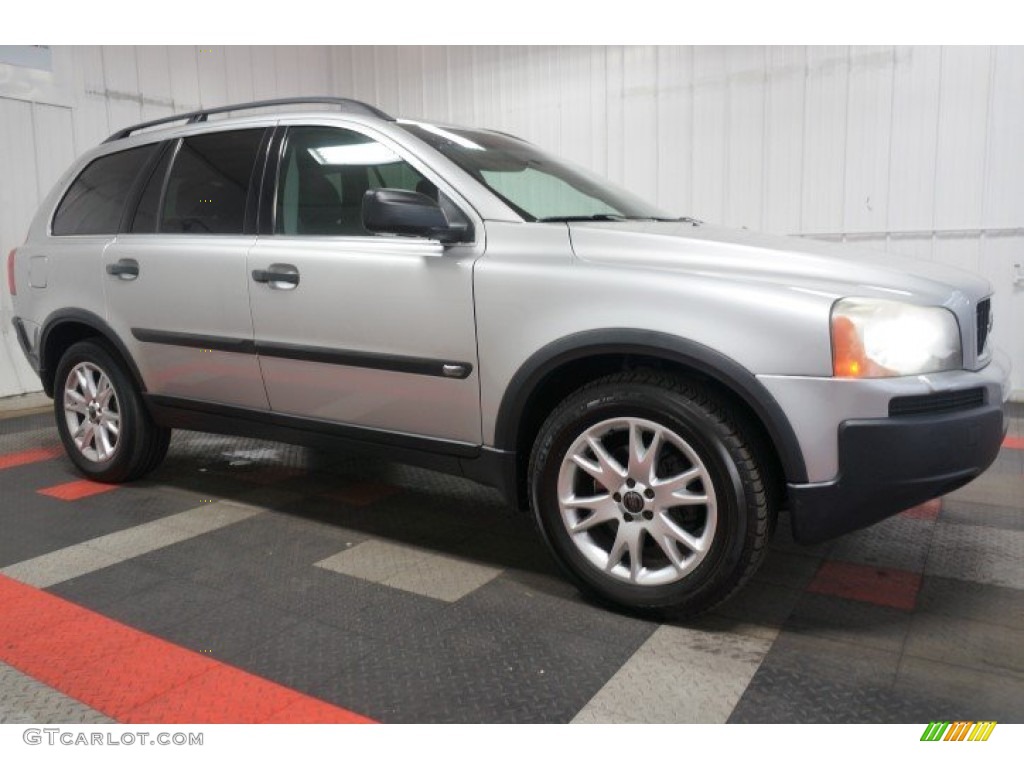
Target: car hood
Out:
[739,255]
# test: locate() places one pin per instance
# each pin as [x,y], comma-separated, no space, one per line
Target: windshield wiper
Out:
[619,217]
[683,219]
[592,217]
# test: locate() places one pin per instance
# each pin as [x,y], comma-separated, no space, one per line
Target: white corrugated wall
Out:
[910,149]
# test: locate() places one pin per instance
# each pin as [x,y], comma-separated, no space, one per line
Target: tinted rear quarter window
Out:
[209,183]
[95,201]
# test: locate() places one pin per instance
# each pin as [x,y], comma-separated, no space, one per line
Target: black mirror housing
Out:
[404,212]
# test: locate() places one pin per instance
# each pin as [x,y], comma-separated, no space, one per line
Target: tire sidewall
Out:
[705,435]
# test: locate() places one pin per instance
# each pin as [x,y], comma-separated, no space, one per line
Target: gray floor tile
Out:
[987,515]
[678,676]
[1000,489]
[26,701]
[973,553]
[412,569]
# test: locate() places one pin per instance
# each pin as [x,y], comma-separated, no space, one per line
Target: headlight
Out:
[872,338]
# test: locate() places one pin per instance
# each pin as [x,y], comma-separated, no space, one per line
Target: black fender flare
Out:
[626,341]
[82,317]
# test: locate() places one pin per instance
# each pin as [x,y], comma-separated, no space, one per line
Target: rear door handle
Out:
[126,269]
[280,276]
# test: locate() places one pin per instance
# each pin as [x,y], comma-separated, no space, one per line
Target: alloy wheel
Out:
[637,501]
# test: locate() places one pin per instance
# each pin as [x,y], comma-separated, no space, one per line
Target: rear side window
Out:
[209,183]
[95,201]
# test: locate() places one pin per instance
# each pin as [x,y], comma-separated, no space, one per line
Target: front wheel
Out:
[648,491]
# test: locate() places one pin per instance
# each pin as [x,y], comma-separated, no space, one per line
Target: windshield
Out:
[538,186]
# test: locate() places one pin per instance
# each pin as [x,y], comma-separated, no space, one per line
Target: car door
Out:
[351,328]
[176,284]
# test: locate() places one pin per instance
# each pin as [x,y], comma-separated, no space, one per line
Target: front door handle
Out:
[283,277]
[126,269]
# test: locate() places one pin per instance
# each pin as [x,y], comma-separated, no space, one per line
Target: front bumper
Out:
[890,464]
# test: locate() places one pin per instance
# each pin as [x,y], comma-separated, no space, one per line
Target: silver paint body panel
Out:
[381,296]
[188,284]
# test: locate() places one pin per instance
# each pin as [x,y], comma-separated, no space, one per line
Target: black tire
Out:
[137,448]
[733,528]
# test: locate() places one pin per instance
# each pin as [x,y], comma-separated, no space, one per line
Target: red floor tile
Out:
[868,584]
[76,489]
[135,677]
[927,511]
[31,456]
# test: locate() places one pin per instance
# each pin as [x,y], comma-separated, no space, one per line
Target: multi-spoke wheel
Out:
[106,430]
[648,492]
[92,412]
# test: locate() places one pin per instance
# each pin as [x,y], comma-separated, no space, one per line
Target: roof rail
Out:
[199,116]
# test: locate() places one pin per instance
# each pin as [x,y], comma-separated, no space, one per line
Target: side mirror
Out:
[402,212]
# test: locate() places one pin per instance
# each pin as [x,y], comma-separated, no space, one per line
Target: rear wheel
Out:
[649,493]
[102,421]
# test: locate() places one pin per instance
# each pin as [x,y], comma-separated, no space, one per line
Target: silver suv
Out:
[653,388]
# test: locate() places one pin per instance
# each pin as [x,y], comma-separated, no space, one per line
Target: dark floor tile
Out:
[276,541]
[806,679]
[165,604]
[788,569]
[850,621]
[228,631]
[504,606]
[987,603]
[898,542]
[479,674]
[986,647]
[760,603]
[106,586]
[776,696]
[973,695]
[309,657]
[351,604]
